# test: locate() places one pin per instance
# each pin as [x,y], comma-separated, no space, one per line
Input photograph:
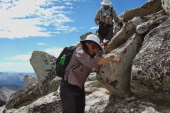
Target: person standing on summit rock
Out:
[104,18]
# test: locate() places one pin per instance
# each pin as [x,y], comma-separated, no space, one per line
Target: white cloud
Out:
[21,57]
[42,44]
[68,3]
[20,28]
[25,66]
[17,67]
[55,51]
[94,27]
[25,18]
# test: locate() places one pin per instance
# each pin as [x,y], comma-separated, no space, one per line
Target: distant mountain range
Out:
[10,82]
[15,78]
[6,90]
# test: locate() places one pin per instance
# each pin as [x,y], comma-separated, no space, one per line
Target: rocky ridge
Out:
[143,44]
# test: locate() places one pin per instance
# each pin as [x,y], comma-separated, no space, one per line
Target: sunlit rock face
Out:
[29,80]
[152,6]
[151,66]
[116,76]
[166,6]
[23,96]
[50,103]
[127,43]
[44,66]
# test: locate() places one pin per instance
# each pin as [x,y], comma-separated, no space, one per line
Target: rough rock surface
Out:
[2,102]
[49,103]
[116,76]
[23,96]
[29,80]
[150,7]
[151,66]
[44,66]
[139,106]
[166,6]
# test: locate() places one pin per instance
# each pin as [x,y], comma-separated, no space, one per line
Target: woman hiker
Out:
[72,86]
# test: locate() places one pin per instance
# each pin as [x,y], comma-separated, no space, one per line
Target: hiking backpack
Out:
[63,60]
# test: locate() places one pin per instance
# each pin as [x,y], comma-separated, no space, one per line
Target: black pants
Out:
[72,98]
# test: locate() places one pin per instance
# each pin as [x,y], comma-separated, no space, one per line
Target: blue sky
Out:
[46,25]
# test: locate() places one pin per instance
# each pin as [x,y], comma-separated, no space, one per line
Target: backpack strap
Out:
[110,12]
[100,13]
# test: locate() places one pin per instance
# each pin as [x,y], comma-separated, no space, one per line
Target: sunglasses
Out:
[94,46]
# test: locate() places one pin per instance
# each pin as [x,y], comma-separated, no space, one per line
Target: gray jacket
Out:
[79,75]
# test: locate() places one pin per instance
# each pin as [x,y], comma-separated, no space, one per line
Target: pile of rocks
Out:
[143,44]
